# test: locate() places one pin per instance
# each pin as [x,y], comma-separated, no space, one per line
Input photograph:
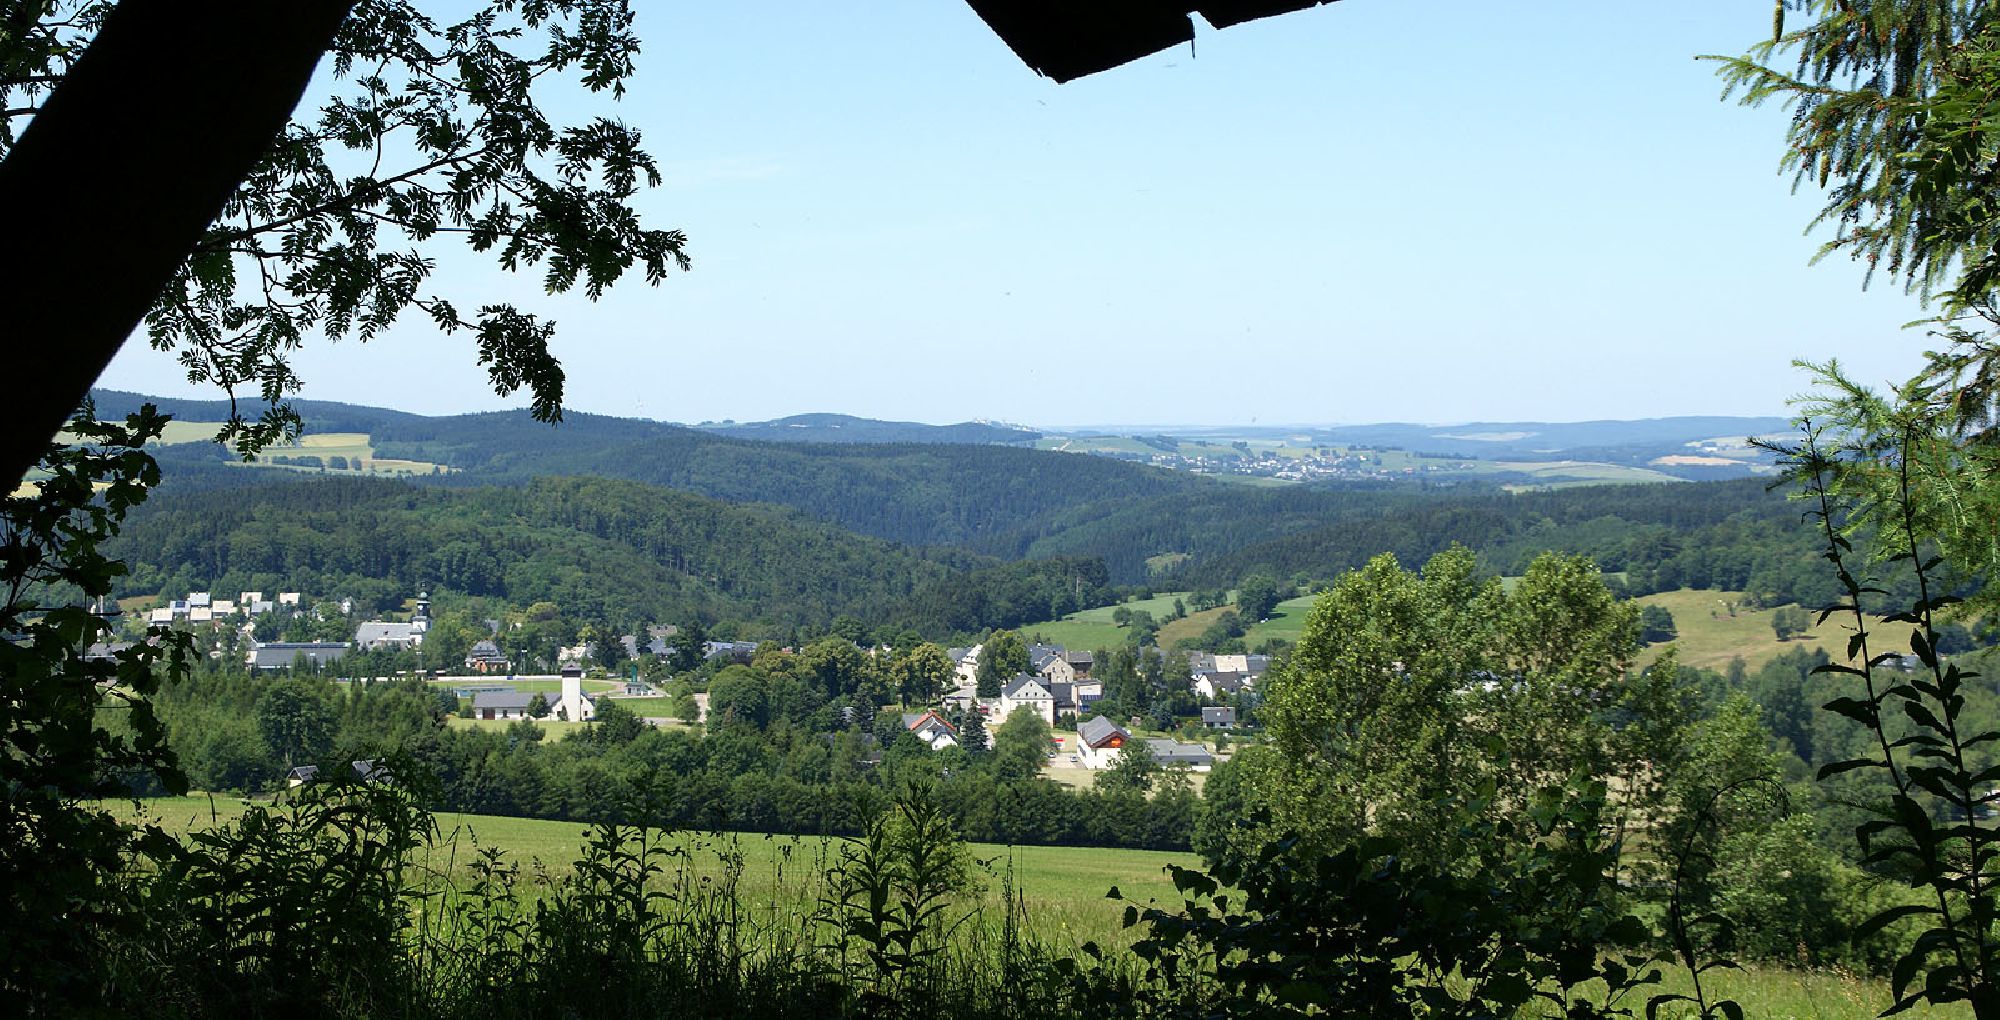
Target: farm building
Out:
[1099,741]
[283,654]
[507,704]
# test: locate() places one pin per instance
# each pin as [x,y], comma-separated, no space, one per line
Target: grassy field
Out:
[554,729]
[1709,636]
[1092,629]
[356,447]
[1063,887]
[1288,621]
[1063,890]
[1191,626]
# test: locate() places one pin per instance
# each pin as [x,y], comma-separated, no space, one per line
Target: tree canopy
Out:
[259,234]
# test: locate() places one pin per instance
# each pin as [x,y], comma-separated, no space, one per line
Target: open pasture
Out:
[1062,888]
[1711,634]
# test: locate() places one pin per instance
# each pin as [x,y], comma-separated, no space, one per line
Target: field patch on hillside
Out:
[1093,629]
[1711,635]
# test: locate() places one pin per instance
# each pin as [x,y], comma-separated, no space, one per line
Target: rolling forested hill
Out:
[730,527]
[602,549]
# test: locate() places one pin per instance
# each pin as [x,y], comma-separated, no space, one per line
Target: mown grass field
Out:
[553,729]
[1063,888]
[1288,622]
[1092,629]
[1709,636]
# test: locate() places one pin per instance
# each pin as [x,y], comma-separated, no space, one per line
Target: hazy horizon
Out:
[1346,214]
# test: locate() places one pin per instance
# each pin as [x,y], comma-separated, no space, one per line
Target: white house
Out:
[1026,692]
[1214,684]
[931,728]
[966,663]
[507,704]
[1099,742]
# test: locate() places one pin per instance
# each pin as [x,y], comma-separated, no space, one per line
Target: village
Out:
[1061,686]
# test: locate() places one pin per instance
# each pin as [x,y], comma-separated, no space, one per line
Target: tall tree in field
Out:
[1021,745]
[1257,596]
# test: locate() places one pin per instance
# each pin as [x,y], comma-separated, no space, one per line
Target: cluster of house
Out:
[1099,742]
[204,607]
[369,636]
[1212,677]
[1061,683]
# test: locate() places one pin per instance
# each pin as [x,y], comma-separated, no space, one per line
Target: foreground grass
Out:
[1062,888]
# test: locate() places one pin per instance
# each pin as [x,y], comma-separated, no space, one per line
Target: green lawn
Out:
[1710,636]
[555,729]
[1288,621]
[1092,629]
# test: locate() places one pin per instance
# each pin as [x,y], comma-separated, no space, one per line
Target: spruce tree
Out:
[972,731]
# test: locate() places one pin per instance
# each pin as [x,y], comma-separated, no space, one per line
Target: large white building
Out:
[1026,692]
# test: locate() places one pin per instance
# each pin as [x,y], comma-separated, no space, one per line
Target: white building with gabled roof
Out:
[1026,692]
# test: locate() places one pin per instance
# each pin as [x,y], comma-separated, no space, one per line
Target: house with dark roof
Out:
[1194,757]
[284,654]
[734,651]
[507,704]
[1099,742]
[486,657]
[1218,717]
[1026,692]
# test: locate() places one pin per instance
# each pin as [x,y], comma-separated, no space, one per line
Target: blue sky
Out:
[1410,210]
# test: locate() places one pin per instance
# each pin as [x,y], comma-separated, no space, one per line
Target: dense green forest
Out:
[622,551]
[616,552]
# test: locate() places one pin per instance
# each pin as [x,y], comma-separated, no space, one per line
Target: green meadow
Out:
[1061,890]
[1092,629]
[1714,627]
